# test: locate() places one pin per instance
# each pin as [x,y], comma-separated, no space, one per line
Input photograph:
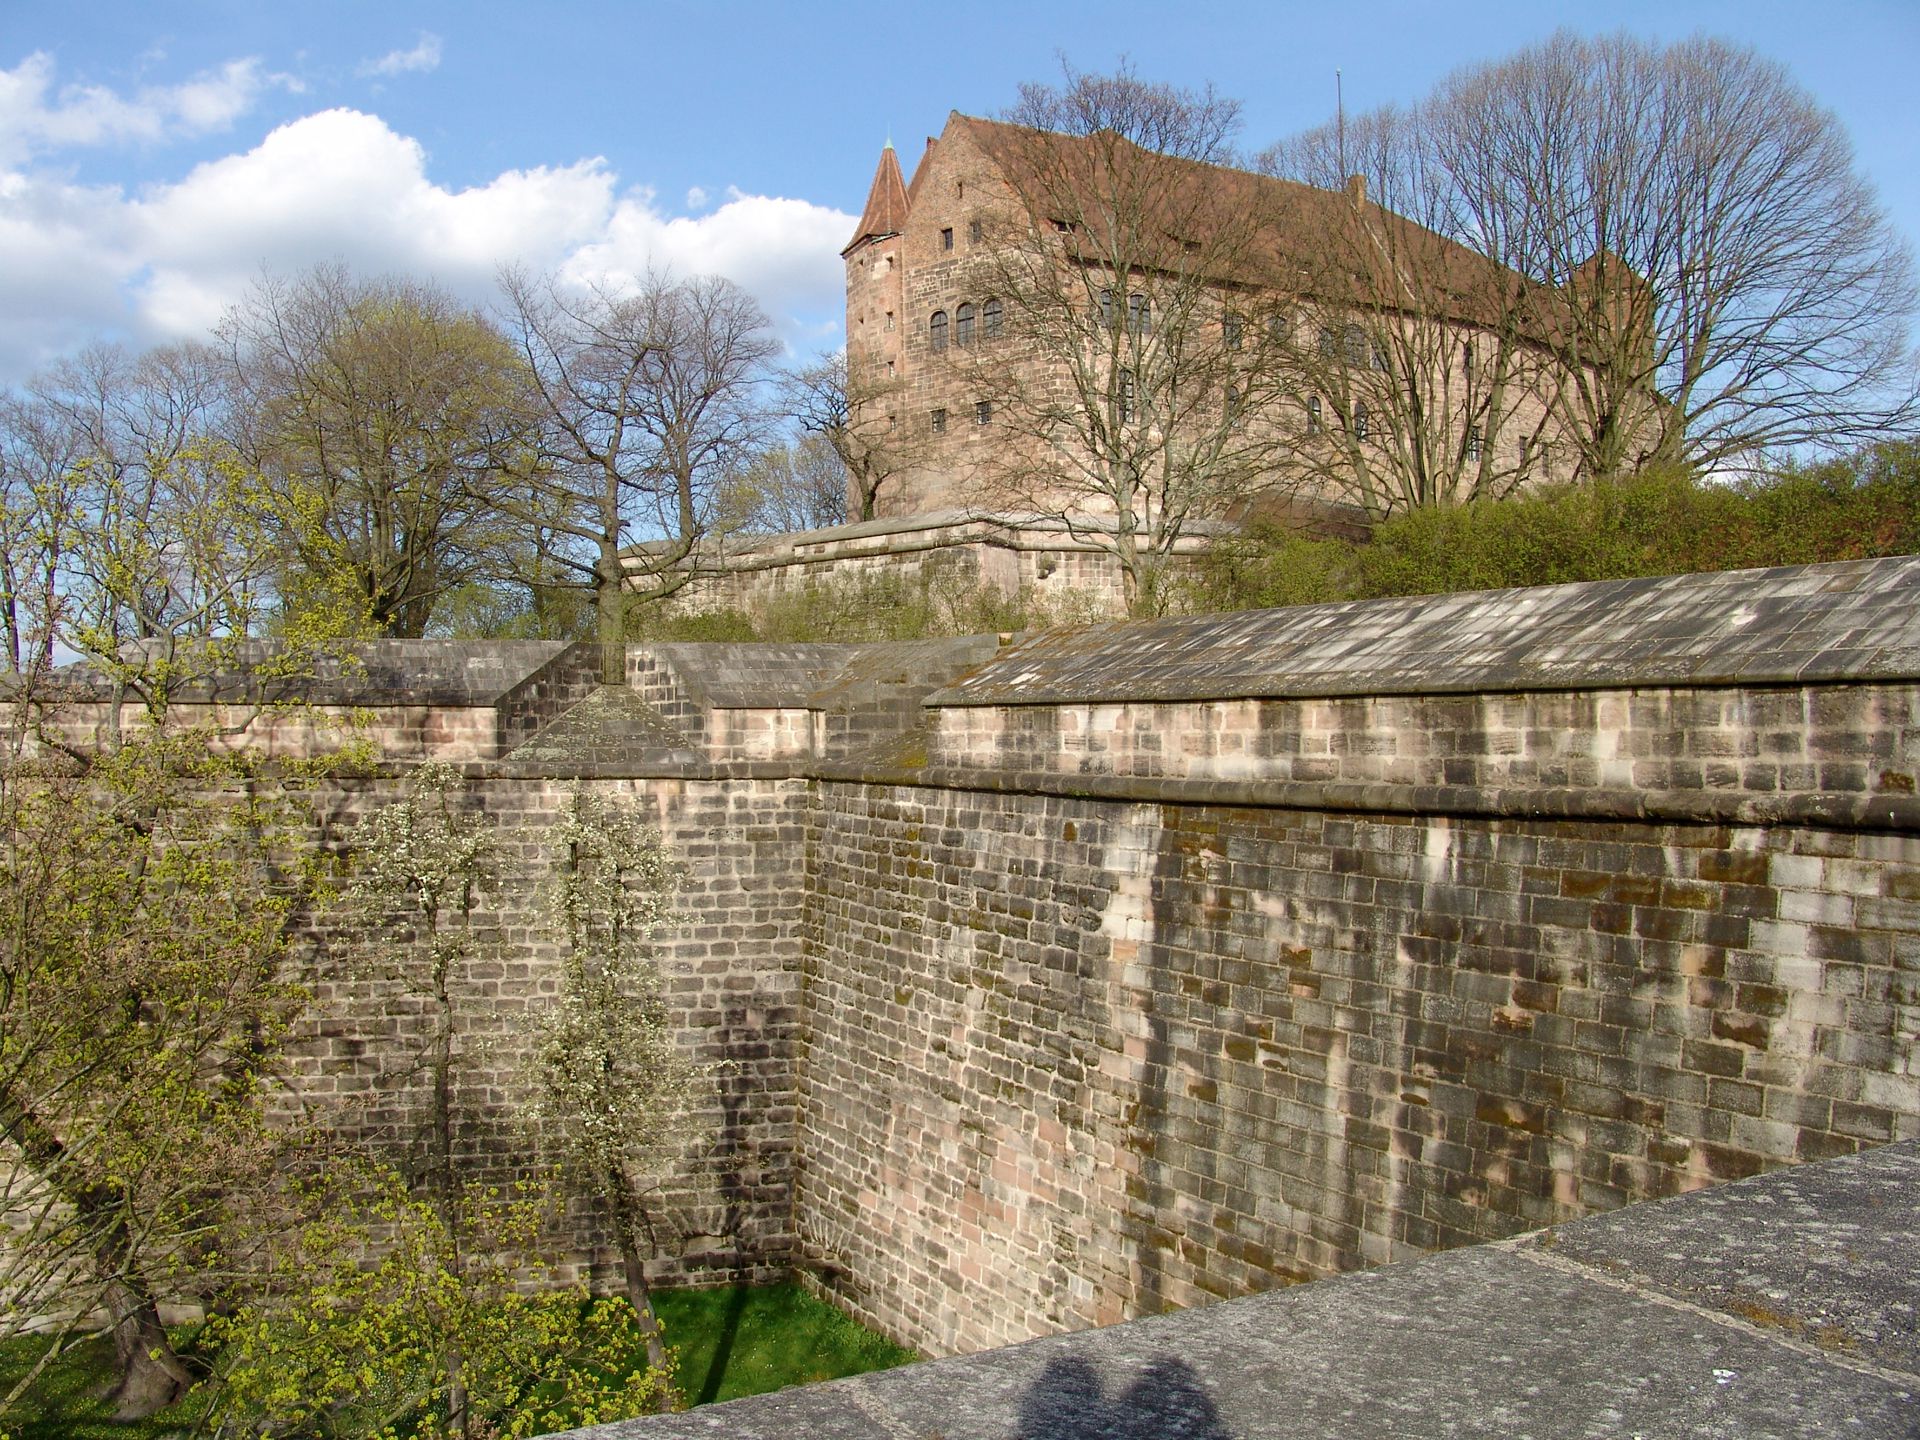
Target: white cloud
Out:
[165,262]
[697,198]
[423,57]
[35,118]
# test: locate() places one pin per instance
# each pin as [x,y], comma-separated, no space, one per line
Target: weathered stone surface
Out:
[1620,1325]
[1849,621]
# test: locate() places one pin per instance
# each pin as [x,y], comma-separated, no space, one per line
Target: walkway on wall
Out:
[1779,1306]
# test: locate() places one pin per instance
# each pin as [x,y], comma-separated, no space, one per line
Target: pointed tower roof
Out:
[886,208]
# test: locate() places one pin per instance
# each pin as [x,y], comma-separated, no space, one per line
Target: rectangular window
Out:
[1473,442]
[1313,415]
[946,238]
[1233,329]
[889,320]
[983,412]
[973,231]
[938,421]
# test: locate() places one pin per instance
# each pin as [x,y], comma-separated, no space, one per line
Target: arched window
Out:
[1360,421]
[1139,313]
[1313,415]
[990,319]
[937,330]
[1327,342]
[1279,327]
[963,324]
[1353,345]
[1106,308]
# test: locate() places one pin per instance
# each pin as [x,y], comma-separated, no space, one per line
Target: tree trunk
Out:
[626,1224]
[150,1375]
[610,615]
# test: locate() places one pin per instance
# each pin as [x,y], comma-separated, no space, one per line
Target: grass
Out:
[747,1341]
[729,1343]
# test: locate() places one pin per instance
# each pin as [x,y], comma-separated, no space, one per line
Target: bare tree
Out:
[649,398]
[857,418]
[1129,378]
[1713,276]
[136,536]
[386,420]
[1417,379]
[793,484]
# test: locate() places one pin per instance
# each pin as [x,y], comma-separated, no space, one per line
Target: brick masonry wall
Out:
[1068,1061]
[732,986]
[1763,741]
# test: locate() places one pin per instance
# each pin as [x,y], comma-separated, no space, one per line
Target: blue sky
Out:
[155,157]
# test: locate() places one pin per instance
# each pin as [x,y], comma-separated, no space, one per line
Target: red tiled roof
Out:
[886,208]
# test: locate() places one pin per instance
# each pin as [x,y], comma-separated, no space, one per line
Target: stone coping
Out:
[455,673]
[1782,1306]
[1852,621]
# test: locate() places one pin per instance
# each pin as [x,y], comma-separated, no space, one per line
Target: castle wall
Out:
[1068,1061]
[730,970]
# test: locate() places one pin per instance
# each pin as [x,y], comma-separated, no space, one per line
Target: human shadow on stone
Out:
[1165,1401]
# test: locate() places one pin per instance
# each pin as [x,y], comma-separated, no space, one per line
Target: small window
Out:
[1474,442]
[963,324]
[1063,226]
[1139,314]
[1126,396]
[946,238]
[1279,327]
[973,232]
[1232,330]
[990,319]
[1353,345]
[889,369]
[1313,415]
[1360,422]
[937,330]
[1232,409]
[1106,309]
[983,412]
[937,422]
[889,320]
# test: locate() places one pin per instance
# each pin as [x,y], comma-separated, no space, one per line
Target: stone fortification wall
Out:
[732,990]
[1058,980]
[1205,956]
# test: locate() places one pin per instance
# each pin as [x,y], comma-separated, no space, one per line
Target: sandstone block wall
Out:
[740,845]
[1067,1062]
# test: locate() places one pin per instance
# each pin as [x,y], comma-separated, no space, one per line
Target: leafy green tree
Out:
[422,864]
[612,1086]
[388,423]
[363,1308]
[145,901]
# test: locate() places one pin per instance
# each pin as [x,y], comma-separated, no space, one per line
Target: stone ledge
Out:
[1775,1307]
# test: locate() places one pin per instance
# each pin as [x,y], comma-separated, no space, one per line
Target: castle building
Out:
[1072,362]
[1034,304]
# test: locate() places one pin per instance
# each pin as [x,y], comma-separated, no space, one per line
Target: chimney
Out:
[1357,189]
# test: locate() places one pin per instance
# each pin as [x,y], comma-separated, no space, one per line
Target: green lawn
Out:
[729,1343]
